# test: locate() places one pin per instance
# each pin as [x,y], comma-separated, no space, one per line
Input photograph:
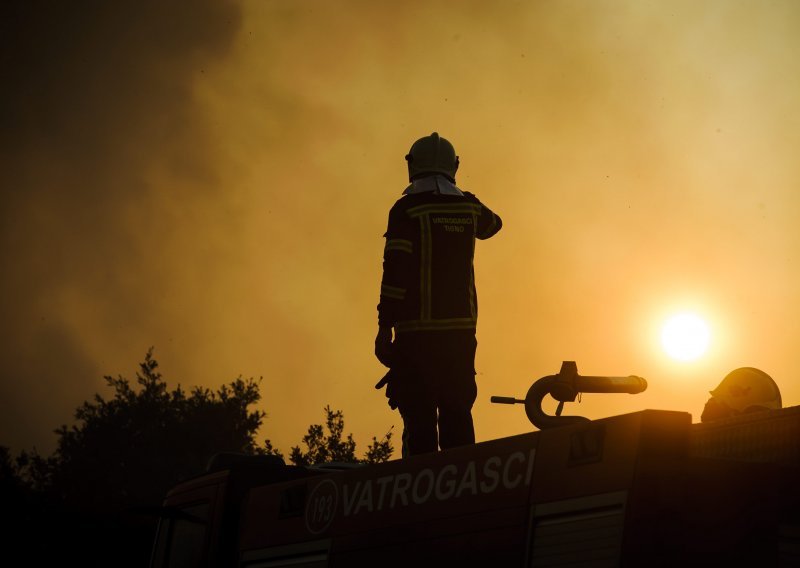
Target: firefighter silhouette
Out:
[742,391]
[428,307]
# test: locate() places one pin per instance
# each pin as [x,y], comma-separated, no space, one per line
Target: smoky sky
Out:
[212,179]
[93,94]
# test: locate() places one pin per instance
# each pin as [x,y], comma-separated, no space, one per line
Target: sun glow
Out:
[685,336]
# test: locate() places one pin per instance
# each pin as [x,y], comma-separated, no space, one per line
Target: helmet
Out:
[432,154]
[746,387]
[744,390]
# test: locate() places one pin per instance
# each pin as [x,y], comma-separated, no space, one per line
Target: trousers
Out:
[434,387]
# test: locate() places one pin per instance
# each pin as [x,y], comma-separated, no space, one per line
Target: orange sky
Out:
[221,194]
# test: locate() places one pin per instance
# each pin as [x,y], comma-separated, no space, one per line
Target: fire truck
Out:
[642,489]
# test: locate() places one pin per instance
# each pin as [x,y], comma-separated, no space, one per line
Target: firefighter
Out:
[428,307]
[742,391]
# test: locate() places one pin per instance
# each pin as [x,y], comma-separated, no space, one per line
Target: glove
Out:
[383,346]
[388,381]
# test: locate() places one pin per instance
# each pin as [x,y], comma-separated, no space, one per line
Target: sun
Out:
[685,336]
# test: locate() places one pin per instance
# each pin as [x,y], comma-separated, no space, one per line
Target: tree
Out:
[10,480]
[14,491]
[126,451]
[322,448]
[18,501]
[380,451]
[130,449]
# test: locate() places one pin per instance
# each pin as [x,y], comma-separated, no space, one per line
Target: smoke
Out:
[97,112]
[214,180]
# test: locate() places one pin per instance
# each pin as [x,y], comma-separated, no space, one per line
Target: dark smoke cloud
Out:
[94,97]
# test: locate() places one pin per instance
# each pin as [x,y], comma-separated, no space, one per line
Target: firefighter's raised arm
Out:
[489,222]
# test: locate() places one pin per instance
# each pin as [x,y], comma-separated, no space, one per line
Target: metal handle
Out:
[506,400]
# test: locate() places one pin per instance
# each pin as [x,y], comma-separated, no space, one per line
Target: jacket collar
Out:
[437,184]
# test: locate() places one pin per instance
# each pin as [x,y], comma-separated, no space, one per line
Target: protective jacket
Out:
[428,280]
